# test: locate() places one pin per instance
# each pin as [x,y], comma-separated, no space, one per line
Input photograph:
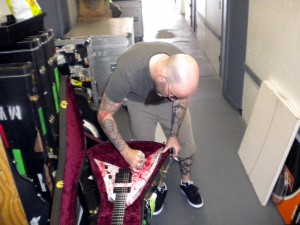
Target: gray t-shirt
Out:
[131,78]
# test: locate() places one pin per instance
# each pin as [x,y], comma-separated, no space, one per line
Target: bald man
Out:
[154,80]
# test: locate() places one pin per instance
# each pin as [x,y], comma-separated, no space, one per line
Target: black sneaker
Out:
[160,198]
[193,196]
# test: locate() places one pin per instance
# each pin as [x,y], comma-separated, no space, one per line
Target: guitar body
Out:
[107,153]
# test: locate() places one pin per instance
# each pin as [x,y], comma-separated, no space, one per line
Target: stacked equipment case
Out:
[31,49]
[88,54]
[21,123]
[133,8]
[103,41]
[29,113]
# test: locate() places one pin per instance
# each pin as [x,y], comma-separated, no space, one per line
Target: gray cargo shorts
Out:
[144,119]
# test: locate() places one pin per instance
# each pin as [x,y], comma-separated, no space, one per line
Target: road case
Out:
[46,38]
[14,32]
[23,123]
[31,50]
[22,114]
[133,8]
[105,41]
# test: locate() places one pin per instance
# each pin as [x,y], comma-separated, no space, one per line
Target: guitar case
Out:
[46,38]
[31,49]
[23,122]
[80,195]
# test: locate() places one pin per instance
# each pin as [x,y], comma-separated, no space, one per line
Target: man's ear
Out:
[162,78]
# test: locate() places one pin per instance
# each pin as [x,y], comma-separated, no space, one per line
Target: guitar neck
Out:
[122,177]
[119,209]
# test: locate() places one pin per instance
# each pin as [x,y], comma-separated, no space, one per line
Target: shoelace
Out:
[191,189]
[162,189]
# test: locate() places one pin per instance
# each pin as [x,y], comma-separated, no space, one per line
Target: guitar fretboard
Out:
[122,177]
[119,209]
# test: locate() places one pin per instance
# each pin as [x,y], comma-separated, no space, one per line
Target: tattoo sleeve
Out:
[108,123]
[178,112]
[185,165]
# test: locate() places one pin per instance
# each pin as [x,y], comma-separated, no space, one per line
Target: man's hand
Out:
[172,142]
[135,158]
[178,113]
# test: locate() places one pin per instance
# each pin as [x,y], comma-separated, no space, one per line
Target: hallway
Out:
[218,129]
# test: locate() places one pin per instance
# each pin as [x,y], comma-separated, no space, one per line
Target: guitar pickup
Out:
[122,189]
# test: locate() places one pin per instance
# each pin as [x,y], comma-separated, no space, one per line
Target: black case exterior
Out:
[50,53]
[12,33]
[57,194]
[22,119]
[21,110]
[47,43]
[31,50]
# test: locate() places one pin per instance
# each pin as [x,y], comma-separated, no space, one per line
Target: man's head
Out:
[178,77]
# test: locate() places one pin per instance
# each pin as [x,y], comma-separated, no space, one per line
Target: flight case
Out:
[14,32]
[133,8]
[23,122]
[47,41]
[31,49]
[105,40]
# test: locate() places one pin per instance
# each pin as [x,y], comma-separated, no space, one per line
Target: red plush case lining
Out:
[106,152]
[74,158]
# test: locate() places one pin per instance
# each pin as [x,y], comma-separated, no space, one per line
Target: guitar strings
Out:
[120,203]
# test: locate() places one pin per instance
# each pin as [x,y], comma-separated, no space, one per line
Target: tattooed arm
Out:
[178,113]
[106,120]
[105,117]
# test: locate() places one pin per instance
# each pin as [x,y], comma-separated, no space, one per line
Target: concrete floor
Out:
[218,129]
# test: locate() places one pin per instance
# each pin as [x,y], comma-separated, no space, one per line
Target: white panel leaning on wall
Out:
[270,133]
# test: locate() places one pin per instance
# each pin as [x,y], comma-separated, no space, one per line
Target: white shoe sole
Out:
[159,211]
[193,205]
